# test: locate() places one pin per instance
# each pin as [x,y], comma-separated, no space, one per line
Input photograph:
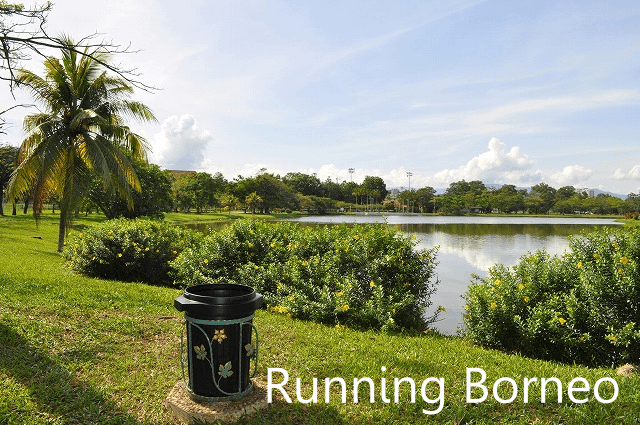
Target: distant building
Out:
[177,173]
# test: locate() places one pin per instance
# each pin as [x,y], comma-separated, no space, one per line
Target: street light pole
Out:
[351,171]
[409,174]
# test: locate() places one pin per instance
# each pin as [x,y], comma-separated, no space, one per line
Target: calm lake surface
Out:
[471,245]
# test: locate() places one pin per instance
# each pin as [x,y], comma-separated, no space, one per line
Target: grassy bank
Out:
[75,350]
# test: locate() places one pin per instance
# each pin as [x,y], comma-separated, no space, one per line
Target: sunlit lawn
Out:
[75,350]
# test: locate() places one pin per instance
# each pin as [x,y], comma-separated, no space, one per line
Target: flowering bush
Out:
[582,307]
[362,276]
[129,250]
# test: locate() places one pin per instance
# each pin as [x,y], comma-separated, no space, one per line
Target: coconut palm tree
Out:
[79,132]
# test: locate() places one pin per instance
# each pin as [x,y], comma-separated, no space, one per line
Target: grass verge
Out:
[76,350]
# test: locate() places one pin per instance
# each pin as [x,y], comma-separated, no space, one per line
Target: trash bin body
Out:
[219,340]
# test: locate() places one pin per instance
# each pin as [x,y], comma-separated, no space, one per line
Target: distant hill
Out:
[617,195]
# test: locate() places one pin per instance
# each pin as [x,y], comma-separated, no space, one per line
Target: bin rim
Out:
[247,293]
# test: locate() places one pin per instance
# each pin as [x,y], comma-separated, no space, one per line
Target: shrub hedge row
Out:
[581,307]
[129,250]
[362,276]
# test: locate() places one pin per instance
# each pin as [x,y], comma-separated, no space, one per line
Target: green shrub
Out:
[129,250]
[361,276]
[583,307]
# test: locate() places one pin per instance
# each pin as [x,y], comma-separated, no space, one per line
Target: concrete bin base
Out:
[187,411]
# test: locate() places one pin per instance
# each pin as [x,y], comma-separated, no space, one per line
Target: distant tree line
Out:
[265,193]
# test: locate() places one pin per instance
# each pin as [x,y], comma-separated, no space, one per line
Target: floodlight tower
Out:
[409,174]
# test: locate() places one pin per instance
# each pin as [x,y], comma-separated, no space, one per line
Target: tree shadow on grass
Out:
[55,392]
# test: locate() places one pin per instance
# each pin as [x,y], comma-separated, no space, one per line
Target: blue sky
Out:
[500,91]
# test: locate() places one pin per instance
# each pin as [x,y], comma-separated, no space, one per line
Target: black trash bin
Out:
[219,347]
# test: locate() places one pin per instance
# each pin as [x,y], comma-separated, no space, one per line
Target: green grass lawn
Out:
[77,350]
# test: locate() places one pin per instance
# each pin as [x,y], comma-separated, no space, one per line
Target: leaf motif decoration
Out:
[201,352]
[225,371]
[251,350]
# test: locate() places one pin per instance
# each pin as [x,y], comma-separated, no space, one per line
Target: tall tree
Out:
[375,187]
[198,190]
[8,157]
[154,199]
[253,200]
[80,131]
[303,183]
[543,196]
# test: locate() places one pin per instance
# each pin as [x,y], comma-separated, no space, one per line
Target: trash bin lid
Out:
[219,301]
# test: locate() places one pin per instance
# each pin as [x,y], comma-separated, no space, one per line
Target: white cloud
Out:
[633,174]
[180,145]
[497,165]
[571,175]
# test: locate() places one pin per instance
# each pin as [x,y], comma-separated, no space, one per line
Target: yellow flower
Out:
[561,320]
[175,252]
[526,299]
[580,264]
[466,307]
[250,245]
[615,245]
[119,254]
[219,335]
[134,244]
[521,286]
[340,294]
[273,244]
[496,282]
[255,267]
[624,260]
[146,249]
[372,284]
[596,256]
[494,305]
[620,271]
[291,297]
[356,237]
[289,315]
[344,307]
[101,261]
[251,231]
[206,260]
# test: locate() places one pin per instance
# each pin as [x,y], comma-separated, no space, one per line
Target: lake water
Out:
[471,245]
